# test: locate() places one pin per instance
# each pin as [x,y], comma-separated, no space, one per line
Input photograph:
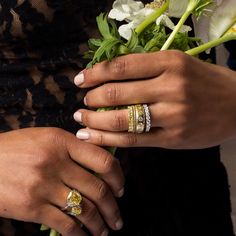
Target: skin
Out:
[40,166]
[192,103]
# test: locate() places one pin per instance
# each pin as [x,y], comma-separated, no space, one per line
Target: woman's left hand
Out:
[192,103]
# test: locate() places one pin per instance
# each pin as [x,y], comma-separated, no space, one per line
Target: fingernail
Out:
[119,224]
[85,101]
[121,192]
[78,116]
[105,232]
[84,135]
[79,79]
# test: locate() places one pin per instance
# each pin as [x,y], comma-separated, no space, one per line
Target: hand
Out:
[192,103]
[40,166]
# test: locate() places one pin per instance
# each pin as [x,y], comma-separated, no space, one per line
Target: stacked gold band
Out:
[139,120]
[73,204]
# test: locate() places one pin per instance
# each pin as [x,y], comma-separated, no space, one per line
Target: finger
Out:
[90,215]
[62,223]
[88,183]
[117,120]
[115,94]
[133,66]
[95,190]
[98,160]
[156,138]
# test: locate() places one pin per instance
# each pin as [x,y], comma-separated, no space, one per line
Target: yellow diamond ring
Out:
[73,203]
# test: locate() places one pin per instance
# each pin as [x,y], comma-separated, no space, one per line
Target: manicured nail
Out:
[85,101]
[119,224]
[84,135]
[79,79]
[105,232]
[78,116]
[121,192]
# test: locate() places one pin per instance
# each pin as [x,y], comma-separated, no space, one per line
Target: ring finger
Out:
[89,216]
[117,120]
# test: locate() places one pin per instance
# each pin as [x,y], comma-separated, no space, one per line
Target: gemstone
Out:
[140,119]
[76,211]
[74,198]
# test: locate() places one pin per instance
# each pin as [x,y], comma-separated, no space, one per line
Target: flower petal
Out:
[166,21]
[125,30]
[222,19]
[177,8]
[125,9]
[202,24]
[118,15]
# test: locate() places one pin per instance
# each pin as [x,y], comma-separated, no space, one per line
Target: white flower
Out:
[166,21]
[125,30]
[130,11]
[177,8]
[125,9]
[217,22]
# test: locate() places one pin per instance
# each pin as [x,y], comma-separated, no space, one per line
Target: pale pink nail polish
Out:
[83,135]
[85,101]
[78,116]
[79,79]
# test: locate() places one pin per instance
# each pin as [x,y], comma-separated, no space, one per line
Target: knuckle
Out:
[42,159]
[129,139]
[118,67]
[102,192]
[54,134]
[108,163]
[119,123]
[100,139]
[112,93]
[180,60]
[69,227]
[86,118]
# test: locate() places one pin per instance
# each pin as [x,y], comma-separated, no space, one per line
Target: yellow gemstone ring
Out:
[139,118]
[73,203]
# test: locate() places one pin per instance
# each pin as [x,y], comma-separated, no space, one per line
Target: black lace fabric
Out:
[168,193]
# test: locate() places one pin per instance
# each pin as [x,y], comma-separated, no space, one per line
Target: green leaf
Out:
[105,47]
[122,50]
[113,29]
[95,42]
[138,49]
[103,26]
[133,41]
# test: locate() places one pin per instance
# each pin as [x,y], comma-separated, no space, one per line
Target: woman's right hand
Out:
[38,169]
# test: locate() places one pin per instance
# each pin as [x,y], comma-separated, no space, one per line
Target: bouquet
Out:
[133,27]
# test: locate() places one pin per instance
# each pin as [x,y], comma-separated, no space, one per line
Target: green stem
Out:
[150,19]
[54,233]
[211,44]
[171,38]
[44,227]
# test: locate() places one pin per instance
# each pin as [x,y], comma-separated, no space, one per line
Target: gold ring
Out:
[139,118]
[73,203]
[136,119]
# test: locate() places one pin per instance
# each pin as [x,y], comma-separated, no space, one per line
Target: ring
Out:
[148,118]
[73,203]
[139,118]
